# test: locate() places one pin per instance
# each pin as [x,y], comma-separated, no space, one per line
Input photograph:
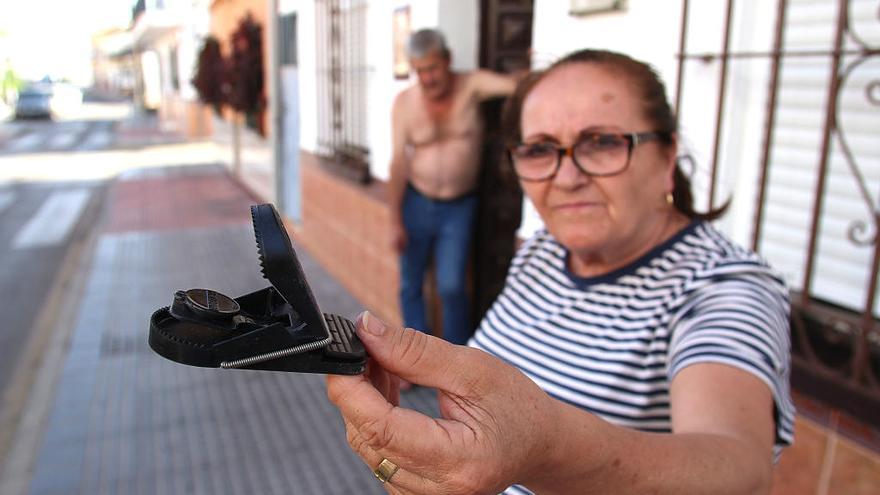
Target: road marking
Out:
[54,220]
[96,141]
[6,198]
[26,142]
[62,140]
[7,130]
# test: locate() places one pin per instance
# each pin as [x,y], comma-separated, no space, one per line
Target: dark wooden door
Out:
[505,42]
[505,34]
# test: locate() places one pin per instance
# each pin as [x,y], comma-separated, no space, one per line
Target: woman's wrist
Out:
[575,445]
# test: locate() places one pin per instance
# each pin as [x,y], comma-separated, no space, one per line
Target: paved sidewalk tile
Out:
[126,421]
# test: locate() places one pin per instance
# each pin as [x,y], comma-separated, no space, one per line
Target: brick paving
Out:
[126,421]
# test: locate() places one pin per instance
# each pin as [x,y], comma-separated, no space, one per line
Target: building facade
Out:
[778,112]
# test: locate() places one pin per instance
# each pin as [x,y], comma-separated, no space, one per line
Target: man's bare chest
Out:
[438,123]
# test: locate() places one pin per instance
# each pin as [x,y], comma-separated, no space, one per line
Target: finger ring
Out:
[385,470]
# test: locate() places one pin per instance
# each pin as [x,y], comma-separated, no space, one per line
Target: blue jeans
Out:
[441,228]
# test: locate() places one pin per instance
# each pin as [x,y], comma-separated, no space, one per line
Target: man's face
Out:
[434,75]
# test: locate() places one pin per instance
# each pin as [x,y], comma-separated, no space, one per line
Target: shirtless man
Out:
[436,138]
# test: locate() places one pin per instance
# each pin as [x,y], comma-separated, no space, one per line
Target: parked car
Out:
[34,101]
[47,100]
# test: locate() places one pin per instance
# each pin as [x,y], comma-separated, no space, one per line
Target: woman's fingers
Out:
[432,453]
[402,481]
[386,383]
[418,357]
[384,426]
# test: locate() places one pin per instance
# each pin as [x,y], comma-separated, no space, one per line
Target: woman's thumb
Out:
[414,356]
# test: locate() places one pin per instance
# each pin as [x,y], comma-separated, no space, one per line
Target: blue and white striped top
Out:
[611,344]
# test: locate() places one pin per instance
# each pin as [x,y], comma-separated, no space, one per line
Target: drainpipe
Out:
[275,111]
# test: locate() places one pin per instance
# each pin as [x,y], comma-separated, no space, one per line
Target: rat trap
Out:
[279,328]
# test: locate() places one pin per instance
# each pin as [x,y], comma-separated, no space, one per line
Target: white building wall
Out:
[647,30]
[460,22]
[306,53]
[195,28]
[382,85]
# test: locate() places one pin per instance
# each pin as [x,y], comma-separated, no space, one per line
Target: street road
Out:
[53,177]
[30,136]
[38,224]
[41,220]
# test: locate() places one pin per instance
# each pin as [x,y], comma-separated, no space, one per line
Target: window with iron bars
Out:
[816,216]
[342,84]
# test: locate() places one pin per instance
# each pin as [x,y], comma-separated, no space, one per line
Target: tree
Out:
[210,75]
[245,74]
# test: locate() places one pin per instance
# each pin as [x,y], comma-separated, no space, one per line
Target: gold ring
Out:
[385,470]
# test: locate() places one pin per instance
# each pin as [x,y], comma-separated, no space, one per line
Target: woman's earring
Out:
[669,199]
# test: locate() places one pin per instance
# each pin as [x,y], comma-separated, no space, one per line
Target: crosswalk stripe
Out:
[54,220]
[25,142]
[6,199]
[62,140]
[96,140]
[6,133]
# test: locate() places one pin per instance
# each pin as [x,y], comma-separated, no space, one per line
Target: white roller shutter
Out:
[842,268]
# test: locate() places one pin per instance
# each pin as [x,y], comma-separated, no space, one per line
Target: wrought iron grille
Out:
[836,349]
[342,84]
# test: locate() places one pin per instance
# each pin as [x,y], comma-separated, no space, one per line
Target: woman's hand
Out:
[495,421]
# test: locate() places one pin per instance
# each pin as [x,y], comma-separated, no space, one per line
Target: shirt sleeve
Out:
[740,320]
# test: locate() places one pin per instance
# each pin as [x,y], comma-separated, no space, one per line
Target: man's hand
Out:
[495,422]
[398,237]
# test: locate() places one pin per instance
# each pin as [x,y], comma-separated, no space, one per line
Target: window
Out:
[287,24]
[815,208]
[342,84]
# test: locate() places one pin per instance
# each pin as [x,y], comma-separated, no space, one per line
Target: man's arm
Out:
[488,84]
[399,173]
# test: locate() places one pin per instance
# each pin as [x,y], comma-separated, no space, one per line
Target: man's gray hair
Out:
[426,41]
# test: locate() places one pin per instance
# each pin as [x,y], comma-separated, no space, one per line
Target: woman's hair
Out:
[654,105]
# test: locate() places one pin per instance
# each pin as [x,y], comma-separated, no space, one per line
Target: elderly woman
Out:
[634,348]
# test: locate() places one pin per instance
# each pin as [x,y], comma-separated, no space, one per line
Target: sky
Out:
[41,37]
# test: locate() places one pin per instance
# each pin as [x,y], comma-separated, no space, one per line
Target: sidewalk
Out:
[144,128]
[122,420]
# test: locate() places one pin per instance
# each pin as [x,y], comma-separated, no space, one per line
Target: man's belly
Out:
[445,171]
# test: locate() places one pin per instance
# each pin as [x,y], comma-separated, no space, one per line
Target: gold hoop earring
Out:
[669,199]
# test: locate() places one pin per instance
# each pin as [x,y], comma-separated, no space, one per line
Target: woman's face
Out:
[605,217]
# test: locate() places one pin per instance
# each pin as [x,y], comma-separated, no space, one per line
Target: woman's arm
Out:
[722,442]
[498,428]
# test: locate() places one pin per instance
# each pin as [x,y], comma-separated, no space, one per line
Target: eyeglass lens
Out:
[595,154]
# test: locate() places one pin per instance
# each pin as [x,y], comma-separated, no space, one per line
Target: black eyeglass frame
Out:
[633,139]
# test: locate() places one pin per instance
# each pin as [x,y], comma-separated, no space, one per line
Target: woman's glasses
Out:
[595,154]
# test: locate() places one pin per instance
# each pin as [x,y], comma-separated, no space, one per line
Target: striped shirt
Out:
[612,344]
